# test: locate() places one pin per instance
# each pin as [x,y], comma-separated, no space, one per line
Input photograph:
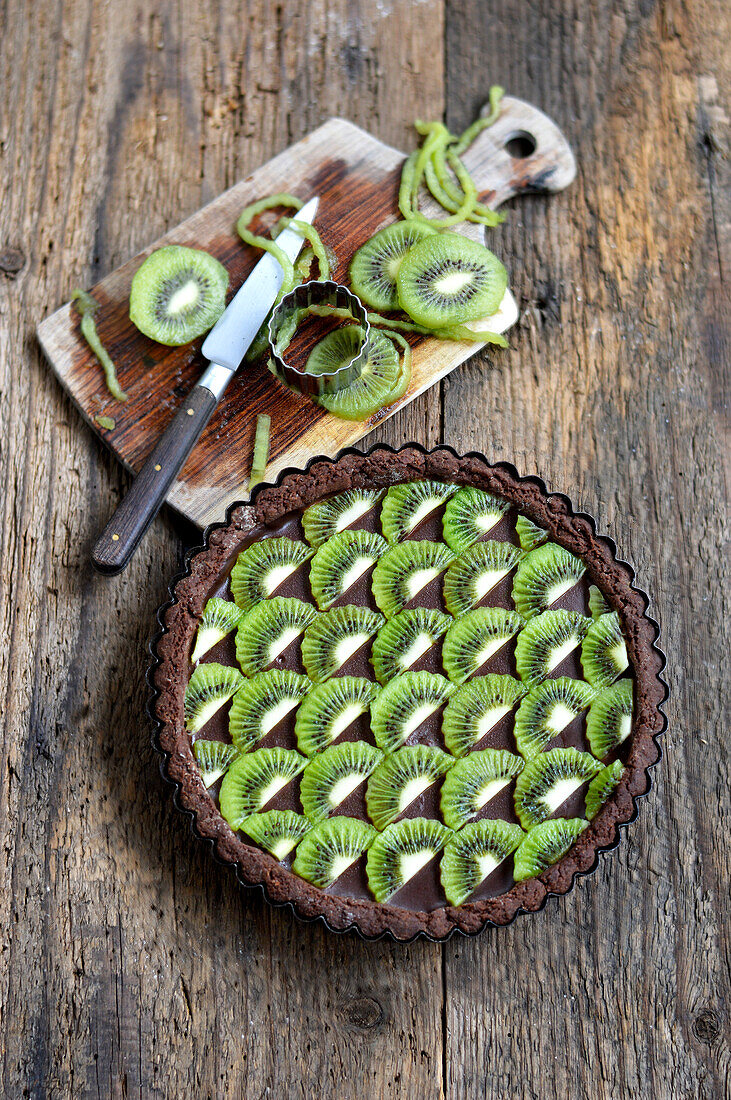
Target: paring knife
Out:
[224,347]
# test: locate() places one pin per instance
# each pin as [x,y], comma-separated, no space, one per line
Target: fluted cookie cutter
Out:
[283,325]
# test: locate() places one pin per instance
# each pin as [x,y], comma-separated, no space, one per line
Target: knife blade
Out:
[224,347]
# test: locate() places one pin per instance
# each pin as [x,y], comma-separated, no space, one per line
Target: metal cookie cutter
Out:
[283,324]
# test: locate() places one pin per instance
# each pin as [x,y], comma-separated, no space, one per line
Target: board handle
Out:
[120,538]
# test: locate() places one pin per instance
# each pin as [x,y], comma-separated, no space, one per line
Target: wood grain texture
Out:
[356,178]
[130,964]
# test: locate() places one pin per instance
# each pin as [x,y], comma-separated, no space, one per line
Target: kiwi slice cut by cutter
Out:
[401,851]
[545,844]
[254,779]
[330,709]
[604,652]
[219,618]
[609,721]
[333,637]
[404,704]
[548,780]
[406,506]
[404,639]
[473,854]
[337,514]
[474,781]
[476,708]
[470,515]
[378,377]
[375,265]
[276,831]
[177,294]
[447,279]
[529,533]
[543,576]
[263,567]
[401,778]
[214,758]
[328,850]
[210,686]
[334,774]
[262,702]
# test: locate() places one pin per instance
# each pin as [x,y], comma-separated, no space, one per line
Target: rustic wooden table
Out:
[129,963]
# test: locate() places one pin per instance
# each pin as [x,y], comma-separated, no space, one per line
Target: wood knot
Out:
[363,1012]
[12,261]
[707,1026]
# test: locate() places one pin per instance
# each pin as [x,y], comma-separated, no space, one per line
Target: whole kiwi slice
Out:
[446,279]
[177,294]
[375,265]
[378,378]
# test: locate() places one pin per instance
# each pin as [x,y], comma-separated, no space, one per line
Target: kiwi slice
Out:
[529,533]
[209,687]
[404,570]
[401,851]
[401,778]
[333,775]
[475,637]
[546,844]
[473,854]
[276,831]
[546,641]
[543,576]
[447,279]
[213,759]
[326,852]
[406,506]
[474,781]
[330,517]
[597,604]
[268,629]
[261,568]
[379,375]
[219,618]
[602,787]
[609,721]
[334,636]
[476,572]
[330,709]
[340,562]
[603,652]
[548,780]
[404,639]
[253,780]
[469,516]
[262,702]
[177,294]
[476,708]
[375,265]
[403,704]
[547,709]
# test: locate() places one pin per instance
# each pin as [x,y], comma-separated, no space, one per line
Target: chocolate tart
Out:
[420,906]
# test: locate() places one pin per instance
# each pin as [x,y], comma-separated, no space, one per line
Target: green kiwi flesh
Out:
[448,279]
[177,295]
[379,376]
[374,267]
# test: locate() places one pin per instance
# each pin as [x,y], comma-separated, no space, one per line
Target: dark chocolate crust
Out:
[380,468]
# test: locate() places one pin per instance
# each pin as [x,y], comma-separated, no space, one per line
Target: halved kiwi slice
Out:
[609,721]
[326,852]
[177,294]
[475,637]
[604,652]
[602,787]
[546,641]
[214,758]
[268,629]
[254,779]
[219,618]
[401,851]
[375,265]
[543,576]
[447,279]
[476,572]
[547,709]
[404,639]
[334,636]
[261,568]
[548,780]
[473,854]
[476,708]
[276,831]
[406,506]
[330,517]
[262,702]
[378,378]
[333,774]
[401,778]
[470,515]
[404,704]
[546,844]
[330,709]
[210,686]
[404,570]
[340,562]
[474,781]
[597,603]
[529,533]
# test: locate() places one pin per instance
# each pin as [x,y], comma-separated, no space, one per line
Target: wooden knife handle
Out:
[134,515]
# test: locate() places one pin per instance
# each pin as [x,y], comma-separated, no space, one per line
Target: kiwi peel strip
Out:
[87,307]
[261,450]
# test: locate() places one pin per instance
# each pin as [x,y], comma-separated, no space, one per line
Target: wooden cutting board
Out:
[356,177]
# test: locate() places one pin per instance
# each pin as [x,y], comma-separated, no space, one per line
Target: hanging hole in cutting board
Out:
[520,145]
